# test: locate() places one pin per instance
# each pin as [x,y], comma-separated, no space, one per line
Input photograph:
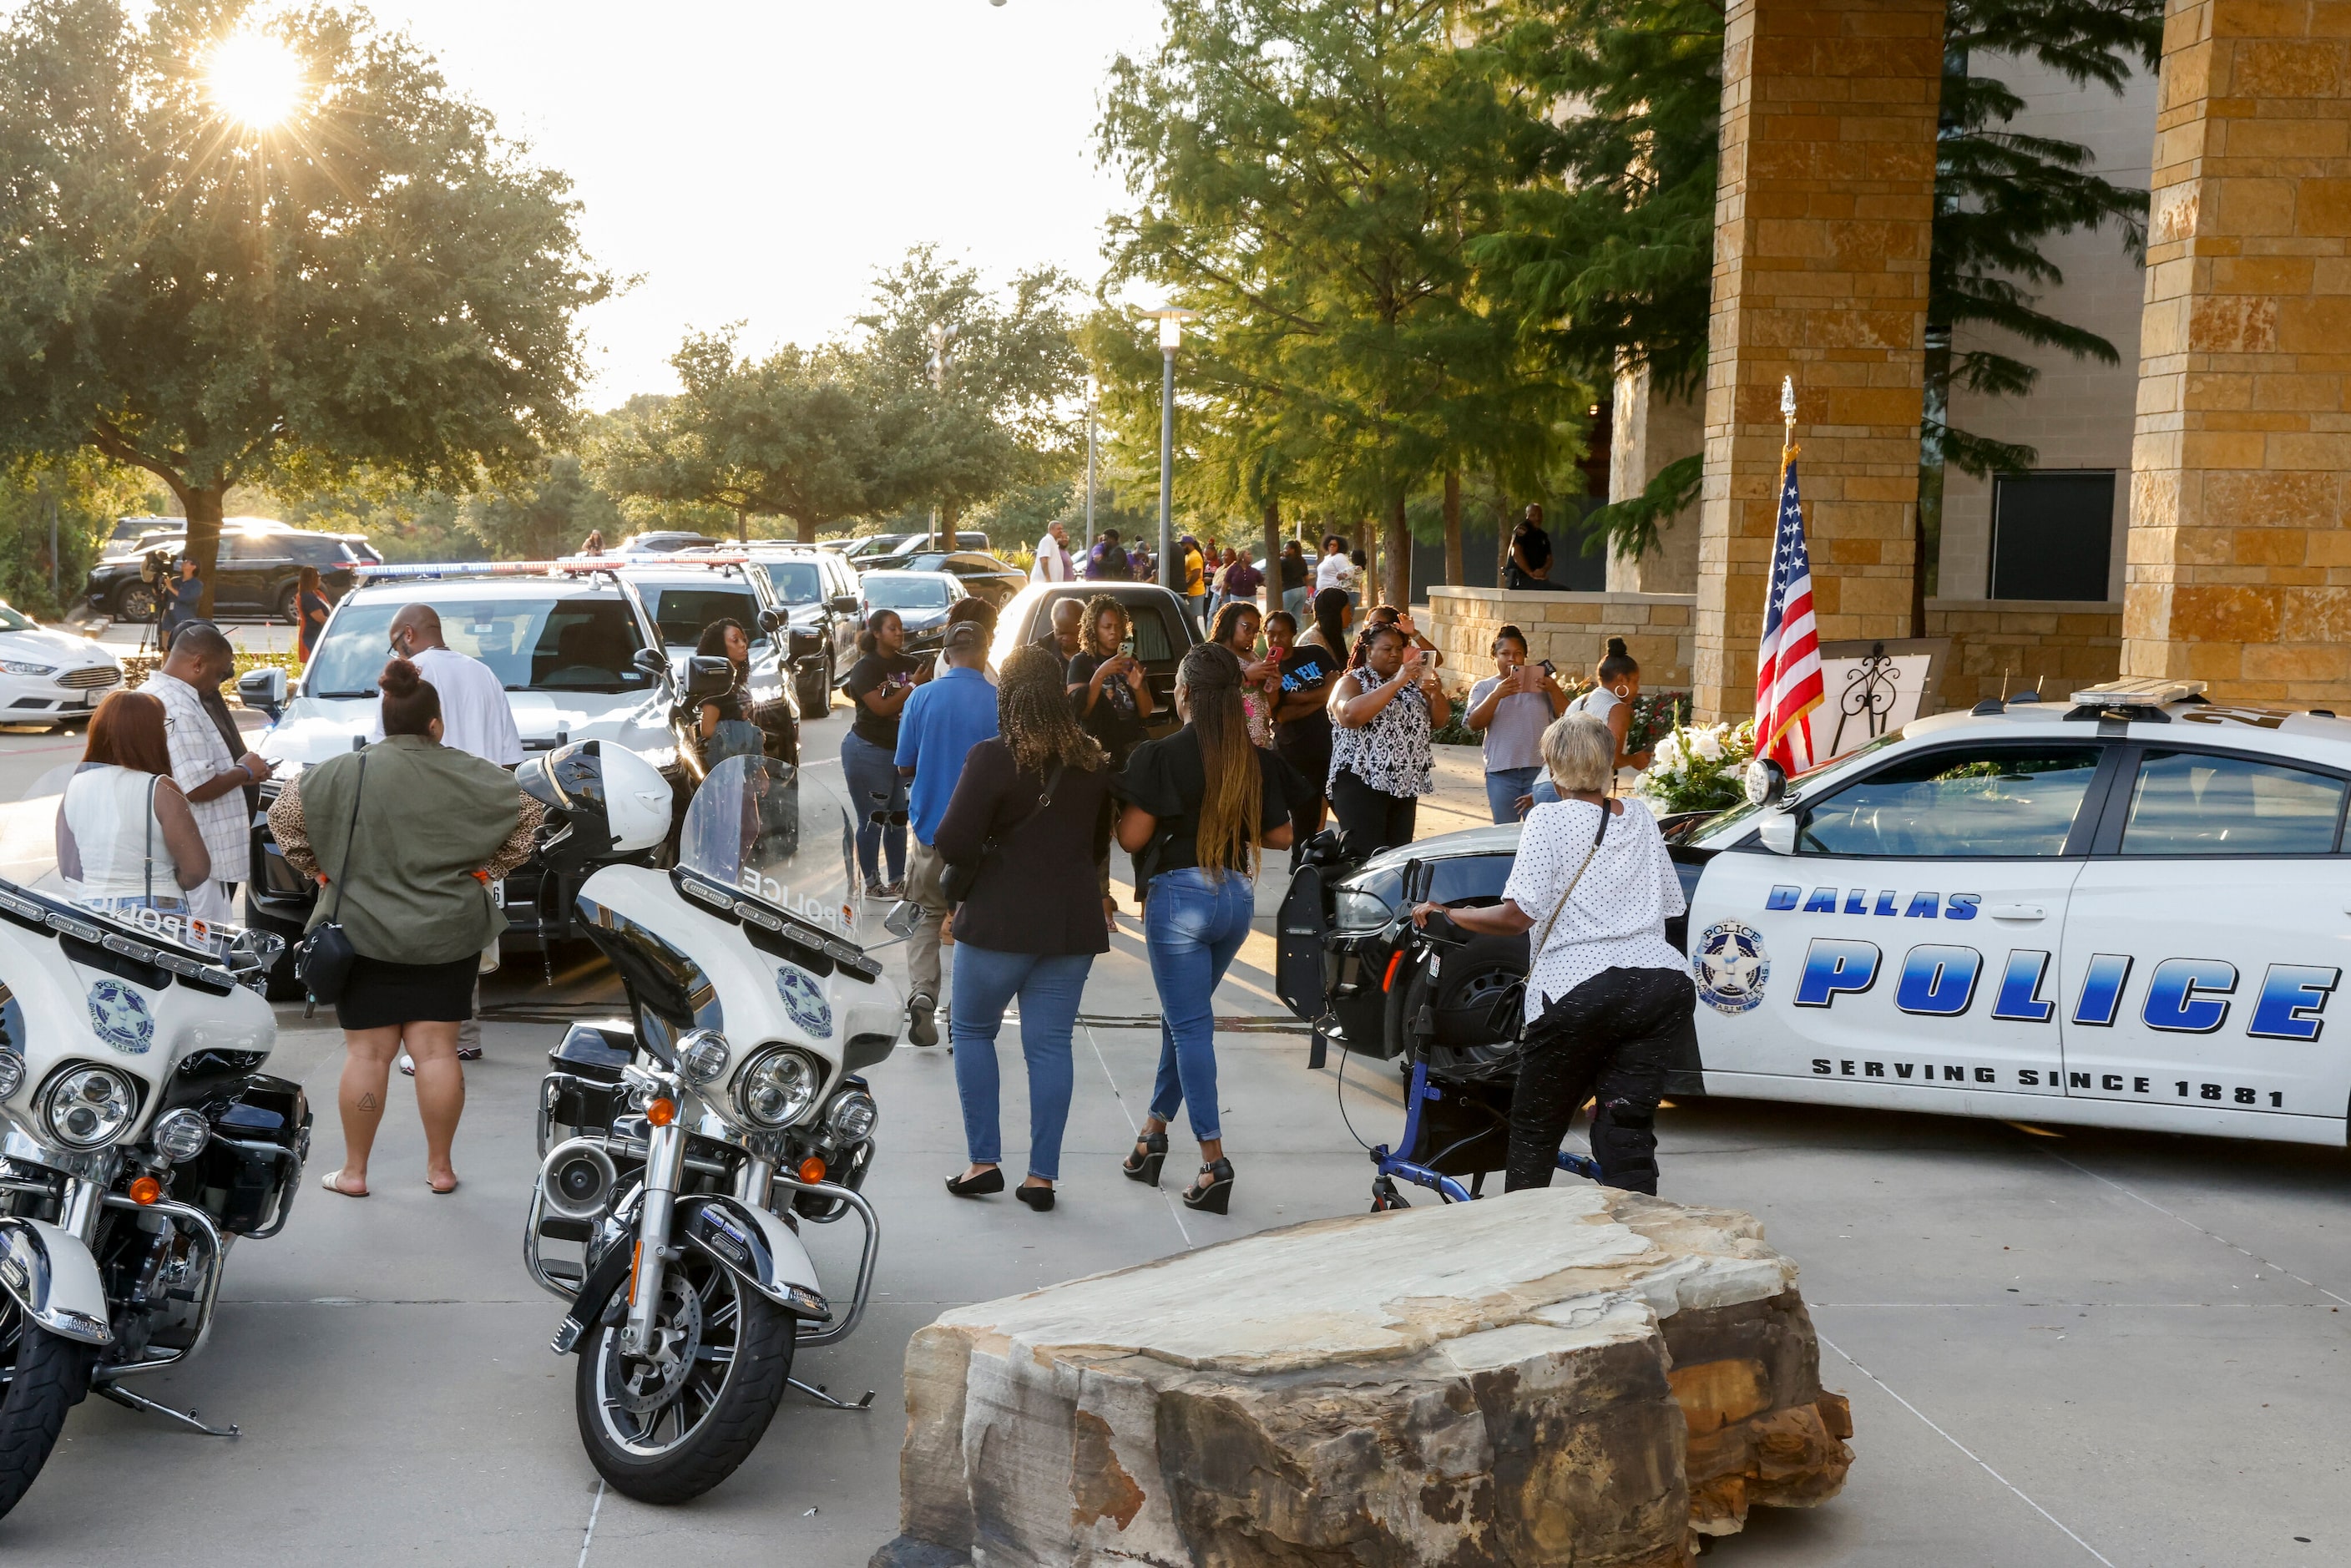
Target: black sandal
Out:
[1150,1154]
[1218,1192]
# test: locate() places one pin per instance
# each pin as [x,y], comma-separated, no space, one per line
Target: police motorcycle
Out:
[139,1138]
[686,1147]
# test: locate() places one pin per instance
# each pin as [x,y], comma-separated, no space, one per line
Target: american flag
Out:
[1788,664]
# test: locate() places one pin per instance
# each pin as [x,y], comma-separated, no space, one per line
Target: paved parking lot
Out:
[2090,1348]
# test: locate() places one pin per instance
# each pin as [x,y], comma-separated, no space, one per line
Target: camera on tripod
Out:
[155,567]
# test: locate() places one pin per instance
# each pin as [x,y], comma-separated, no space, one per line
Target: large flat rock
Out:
[1572,1374]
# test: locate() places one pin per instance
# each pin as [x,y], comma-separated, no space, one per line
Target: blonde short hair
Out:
[1580,753]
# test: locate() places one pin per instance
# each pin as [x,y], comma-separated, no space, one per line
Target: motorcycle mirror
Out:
[708,674]
[904,917]
[1778,832]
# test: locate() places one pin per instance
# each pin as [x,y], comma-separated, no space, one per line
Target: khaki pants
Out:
[923,870]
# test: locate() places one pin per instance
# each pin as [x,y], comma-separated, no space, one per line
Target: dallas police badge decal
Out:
[1730,966]
[804,1000]
[120,1016]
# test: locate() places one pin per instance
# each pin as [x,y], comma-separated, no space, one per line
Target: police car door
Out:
[1912,939]
[2205,945]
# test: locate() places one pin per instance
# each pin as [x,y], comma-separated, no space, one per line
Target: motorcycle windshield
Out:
[776,834]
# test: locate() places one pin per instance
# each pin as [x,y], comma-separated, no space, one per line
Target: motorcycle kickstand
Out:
[816,1392]
[129,1401]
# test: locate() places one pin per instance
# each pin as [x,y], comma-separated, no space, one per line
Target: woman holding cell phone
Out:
[878,685]
[1107,687]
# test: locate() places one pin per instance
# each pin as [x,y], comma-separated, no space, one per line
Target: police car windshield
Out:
[535,640]
[1710,834]
[11,620]
[682,611]
[797,581]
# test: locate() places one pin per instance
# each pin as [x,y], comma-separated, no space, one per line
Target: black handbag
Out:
[957,881]
[323,963]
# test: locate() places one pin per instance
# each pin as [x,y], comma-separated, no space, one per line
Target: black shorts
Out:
[381,994]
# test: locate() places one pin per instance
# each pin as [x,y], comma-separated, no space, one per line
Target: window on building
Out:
[2052,534]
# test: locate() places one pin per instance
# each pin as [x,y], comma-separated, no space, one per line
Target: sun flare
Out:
[253,79]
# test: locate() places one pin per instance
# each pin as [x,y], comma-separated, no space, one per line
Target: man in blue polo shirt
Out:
[936,729]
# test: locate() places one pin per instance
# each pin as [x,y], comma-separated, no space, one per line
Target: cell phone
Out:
[1550,669]
[1126,649]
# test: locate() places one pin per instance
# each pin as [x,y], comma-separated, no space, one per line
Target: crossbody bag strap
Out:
[1557,909]
[350,833]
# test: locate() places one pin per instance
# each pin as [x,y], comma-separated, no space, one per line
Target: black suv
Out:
[256,577]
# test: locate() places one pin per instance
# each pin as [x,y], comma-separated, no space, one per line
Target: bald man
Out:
[1061,640]
[474,713]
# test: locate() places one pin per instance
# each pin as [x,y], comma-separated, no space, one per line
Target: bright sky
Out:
[760,160]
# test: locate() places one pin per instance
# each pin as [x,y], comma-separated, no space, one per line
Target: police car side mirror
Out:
[1778,832]
[771,620]
[651,661]
[264,689]
[842,604]
[804,643]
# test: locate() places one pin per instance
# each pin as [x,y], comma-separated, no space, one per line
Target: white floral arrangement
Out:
[1699,769]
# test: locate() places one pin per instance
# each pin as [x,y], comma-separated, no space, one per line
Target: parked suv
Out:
[256,576]
[1164,632]
[819,590]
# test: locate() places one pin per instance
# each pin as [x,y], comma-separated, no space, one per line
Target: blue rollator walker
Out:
[1459,998]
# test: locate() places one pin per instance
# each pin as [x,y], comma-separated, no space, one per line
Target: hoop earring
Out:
[1621,692]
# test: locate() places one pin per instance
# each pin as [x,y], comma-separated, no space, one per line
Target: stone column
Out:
[2239,564]
[1649,431]
[1822,224]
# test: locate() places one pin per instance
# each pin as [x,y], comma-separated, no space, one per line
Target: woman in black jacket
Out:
[1031,816]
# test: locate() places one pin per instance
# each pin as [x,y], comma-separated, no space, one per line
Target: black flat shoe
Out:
[987,1181]
[1150,1154]
[1217,1194]
[1039,1198]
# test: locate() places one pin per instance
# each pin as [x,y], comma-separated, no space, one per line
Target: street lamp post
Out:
[1094,401]
[942,338]
[1170,338]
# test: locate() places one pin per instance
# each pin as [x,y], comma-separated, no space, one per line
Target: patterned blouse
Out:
[1391,753]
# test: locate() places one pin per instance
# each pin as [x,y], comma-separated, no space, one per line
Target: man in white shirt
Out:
[474,717]
[474,713]
[1052,556]
[1333,569]
[205,765]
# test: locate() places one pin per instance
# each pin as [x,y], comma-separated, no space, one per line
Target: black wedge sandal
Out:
[1212,1197]
[1150,1154]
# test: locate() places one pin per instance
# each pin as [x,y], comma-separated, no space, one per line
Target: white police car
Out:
[2130,911]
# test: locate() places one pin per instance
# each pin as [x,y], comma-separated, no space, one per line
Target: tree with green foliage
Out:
[1313,175]
[992,379]
[1610,256]
[56,513]
[798,434]
[377,281]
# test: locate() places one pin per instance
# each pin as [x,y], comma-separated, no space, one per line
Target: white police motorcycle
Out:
[139,1139]
[686,1147]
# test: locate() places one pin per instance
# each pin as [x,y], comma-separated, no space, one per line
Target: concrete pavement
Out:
[2093,1348]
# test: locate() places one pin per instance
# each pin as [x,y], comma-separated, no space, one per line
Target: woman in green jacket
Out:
[406,839]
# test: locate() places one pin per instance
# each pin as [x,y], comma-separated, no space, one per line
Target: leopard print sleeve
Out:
[292,830]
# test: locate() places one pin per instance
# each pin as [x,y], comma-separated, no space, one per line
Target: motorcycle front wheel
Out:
[49,1376]
[669,1425]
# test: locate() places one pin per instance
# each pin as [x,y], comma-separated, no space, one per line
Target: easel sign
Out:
[1873,688]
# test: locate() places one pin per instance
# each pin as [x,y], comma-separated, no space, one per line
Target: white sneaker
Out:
[407,1064]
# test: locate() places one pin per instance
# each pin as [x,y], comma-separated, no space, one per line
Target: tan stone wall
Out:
[1651,430]
[1571,630]
[1821,233]
[2002,646]
[2240,564]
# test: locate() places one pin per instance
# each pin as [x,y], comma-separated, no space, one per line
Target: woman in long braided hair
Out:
[1202,803]
[1029,823]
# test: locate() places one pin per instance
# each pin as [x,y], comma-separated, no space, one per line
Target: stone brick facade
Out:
[1571,630]
[2240,564]
[1822,232]
[2002,646]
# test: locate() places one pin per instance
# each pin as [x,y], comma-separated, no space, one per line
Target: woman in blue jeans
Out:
[1512,708]
[1200,805]
[1031,818]
[878,685]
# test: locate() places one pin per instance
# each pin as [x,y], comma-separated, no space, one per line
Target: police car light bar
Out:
[571,566]
[2141,691]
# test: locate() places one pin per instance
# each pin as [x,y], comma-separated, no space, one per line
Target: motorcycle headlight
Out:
[88,1107]
[12,1074]
[778,1086]
[1356,910]
[180,1135]
[702,1055]
[851,1116]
